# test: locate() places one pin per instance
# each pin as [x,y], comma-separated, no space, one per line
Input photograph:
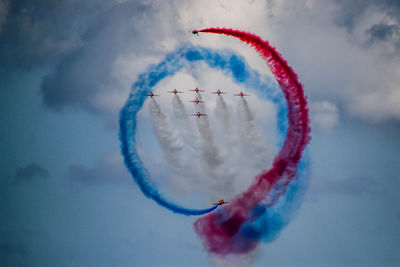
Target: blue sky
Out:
[67,68]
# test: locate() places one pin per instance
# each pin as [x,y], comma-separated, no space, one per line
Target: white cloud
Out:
[333,63]
[324,115]
[117,40]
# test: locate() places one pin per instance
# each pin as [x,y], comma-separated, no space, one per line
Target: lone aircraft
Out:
[221,202]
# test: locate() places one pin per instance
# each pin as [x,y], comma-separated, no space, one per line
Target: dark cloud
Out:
[83,73]
[109,169]
[78,42]
[30,172]
[36,33]
[86,73]
[384,32]
[349,11]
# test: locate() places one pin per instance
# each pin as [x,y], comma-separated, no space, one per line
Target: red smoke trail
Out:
[220,231]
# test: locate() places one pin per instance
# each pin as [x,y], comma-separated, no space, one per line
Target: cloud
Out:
[103,46]
[382,32]
[4,6]
[109,169]
[349,11]
[30,172]
[96,77]
[333,62]
[324,115]
[39,33]
[91,49]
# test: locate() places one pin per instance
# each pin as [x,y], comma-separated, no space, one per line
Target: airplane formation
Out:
[199,114]
[197,101]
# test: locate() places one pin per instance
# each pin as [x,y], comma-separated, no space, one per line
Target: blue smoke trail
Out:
[224,60]
[269,220]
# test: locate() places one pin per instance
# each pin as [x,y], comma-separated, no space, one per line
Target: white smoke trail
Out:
[255,143]
[224,125]
[168,138]
[200,159]
[186,125]
[210,153]
[219,179]
[173,147]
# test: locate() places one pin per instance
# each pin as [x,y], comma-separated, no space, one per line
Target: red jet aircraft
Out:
[197,90]
[218,92]
[241,94]
[198,114]
[174,92]
[220,202]
[151,95]
[196,101]
[195,32]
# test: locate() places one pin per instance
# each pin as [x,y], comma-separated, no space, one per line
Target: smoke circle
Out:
[185,56]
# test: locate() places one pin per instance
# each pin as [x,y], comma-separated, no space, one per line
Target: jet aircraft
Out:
[197,90]
[241,94]
[195,32]
[218,92]
[174,92]
[196,101]
[199,114]
[151,95]
[221,202]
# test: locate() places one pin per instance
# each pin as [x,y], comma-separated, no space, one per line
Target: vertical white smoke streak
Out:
[215,155]
[224,124]
[211,155]
[185,122]
[172,147]
[211,158]
[168,138]
[254,142]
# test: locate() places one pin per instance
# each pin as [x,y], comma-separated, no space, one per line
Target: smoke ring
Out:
[184,56]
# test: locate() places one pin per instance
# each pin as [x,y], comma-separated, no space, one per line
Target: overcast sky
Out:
[66,198]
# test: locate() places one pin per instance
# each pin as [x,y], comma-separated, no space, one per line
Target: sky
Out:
[67,67]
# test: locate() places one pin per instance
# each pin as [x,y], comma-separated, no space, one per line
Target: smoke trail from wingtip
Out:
[222,232]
